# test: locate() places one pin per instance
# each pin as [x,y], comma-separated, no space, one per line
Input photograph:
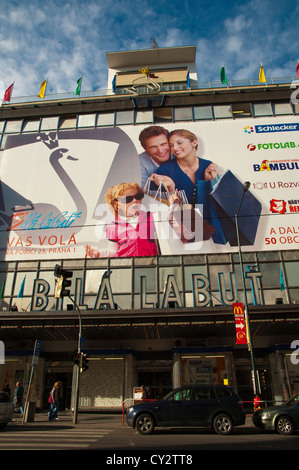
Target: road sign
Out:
[36,353]
[240,323]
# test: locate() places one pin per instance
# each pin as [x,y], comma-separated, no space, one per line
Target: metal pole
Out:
[77,386]
[246,312]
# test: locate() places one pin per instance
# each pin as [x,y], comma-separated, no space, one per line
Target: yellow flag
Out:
[42,89]
[262,77]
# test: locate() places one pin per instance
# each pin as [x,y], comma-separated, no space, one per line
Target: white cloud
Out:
[63,41]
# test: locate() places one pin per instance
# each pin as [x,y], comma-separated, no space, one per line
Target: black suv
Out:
[212,406]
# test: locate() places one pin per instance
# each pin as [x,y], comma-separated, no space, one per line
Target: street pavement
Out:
[106,432]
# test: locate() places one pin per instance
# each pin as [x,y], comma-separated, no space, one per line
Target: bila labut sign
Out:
[104,296]
[54,190]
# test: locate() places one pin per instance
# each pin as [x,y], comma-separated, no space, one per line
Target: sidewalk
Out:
[86,420]
[65,418]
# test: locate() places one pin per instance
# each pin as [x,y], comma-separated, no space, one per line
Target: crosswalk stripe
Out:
[50,438]
[41,445]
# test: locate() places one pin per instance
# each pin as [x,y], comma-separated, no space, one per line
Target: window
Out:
[282,108]
[67,122]
[86,120]
[183,114]
[124,117]
[224,111]
[13,126]
[163,115]
[106,119]
[31,125]
[241,110]
[223,392]
[143,117]
[202,112]
[262,109]
[204,393]
[183,394]
[49,123]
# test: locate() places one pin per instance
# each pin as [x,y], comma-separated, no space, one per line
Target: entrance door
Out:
[158,382]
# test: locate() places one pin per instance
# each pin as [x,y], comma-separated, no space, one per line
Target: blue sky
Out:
[61,42]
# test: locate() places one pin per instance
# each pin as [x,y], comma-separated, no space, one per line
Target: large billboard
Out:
[140,191]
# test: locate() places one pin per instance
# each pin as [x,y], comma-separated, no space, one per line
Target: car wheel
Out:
[223,424]
[145,424]
[284,425]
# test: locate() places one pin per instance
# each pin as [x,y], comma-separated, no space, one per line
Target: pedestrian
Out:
[18,397]
[54,396]
[144,392]
[7,390]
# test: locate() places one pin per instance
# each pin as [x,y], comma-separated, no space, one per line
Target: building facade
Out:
[162,316]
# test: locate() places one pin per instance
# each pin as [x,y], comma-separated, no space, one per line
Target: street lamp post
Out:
[75,416]
[255,381]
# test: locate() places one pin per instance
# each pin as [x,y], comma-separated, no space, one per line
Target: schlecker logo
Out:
[272,128]
[274,165]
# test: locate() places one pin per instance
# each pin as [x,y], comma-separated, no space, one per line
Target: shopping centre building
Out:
[162,315]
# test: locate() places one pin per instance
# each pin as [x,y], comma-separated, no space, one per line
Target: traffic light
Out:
[84,363]
[62,282]
[77,359]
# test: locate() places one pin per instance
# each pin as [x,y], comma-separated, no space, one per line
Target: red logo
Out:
[251,147]
[278,206]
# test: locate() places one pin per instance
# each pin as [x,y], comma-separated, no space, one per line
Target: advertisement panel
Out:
[56,200]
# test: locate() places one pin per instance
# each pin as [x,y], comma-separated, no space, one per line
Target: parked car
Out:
[6,409]
[282,418]
[212,406]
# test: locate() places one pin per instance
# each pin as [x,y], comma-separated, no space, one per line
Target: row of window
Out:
[126,279]
[117,118]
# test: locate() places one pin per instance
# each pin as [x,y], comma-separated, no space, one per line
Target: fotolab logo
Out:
[278,206]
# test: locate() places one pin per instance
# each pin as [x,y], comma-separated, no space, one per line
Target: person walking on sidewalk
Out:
[53,413]
[18,397]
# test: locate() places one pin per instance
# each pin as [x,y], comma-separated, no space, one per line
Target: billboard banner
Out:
[151,190]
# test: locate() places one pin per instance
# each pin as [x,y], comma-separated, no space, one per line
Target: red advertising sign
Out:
[240,323]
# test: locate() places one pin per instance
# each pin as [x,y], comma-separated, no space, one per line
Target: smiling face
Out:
[158,148]
[182,147]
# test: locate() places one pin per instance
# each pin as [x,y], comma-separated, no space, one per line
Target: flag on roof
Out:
[262,77]
[7,94]
[79,83]
[42,90]
[223,77]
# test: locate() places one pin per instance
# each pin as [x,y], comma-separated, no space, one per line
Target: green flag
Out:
[79,83]
[223,77]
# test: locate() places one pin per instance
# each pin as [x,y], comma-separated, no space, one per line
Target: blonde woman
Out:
[53,414]
[187,168]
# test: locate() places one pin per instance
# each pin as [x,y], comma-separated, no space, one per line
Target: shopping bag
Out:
[158,193]
[227,194]
[50,399]
[189,224]
[211,212]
